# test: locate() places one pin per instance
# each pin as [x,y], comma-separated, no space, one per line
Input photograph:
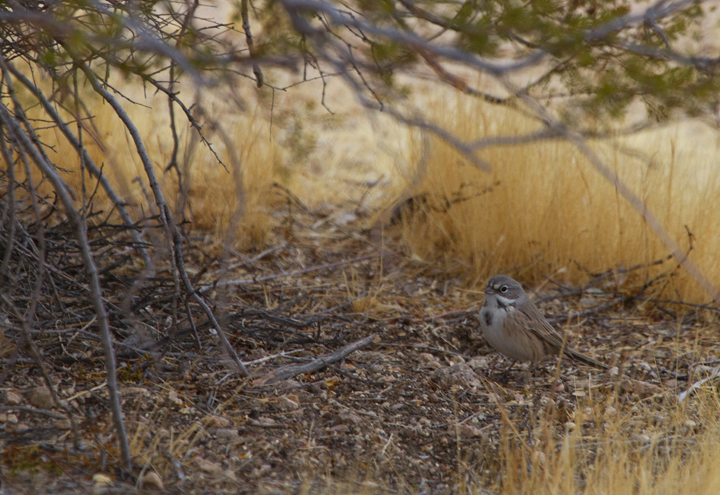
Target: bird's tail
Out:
[578,356]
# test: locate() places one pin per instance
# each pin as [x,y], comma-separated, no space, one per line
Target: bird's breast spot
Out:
[488,318]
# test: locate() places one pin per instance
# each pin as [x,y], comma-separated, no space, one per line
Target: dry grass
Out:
[215,196]
[550,213]
[639,448]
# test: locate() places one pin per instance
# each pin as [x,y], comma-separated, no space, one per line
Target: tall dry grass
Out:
[545,211]
[613,446]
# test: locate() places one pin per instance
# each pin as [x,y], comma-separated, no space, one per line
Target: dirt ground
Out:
[425,407]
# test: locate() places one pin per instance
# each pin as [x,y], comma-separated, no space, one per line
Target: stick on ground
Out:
[317,364]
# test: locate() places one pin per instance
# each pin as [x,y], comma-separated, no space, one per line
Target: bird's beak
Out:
[488,290]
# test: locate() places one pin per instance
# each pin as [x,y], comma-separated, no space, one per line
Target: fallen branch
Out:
[287,372]
[32,410]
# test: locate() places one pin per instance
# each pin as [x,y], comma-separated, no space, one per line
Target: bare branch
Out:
[90,268]
[173,233]
[89,163]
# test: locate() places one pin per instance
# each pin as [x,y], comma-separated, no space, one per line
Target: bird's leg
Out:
[504,378]
[512,363]
[531,371]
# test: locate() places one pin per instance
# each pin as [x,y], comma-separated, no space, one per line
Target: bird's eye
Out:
[504,289]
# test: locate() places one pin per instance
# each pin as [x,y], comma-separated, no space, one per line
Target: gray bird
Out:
[514,327]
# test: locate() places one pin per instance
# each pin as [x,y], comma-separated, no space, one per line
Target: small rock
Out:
[288,402]
[457,375]
[430,361]
[588,301]
[228,435]
[340,428]
[287,385]
[465,431]
[101,479]
[41,398]
[208,466]
[215,422]
[457,359]
[63,424]
[479,364]
[152,480]
[8,418]
[643,389]
[349,418]
[12,398]
[174,399]
[229,474]
[298,413]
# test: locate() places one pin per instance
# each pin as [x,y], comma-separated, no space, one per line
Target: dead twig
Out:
[287,372]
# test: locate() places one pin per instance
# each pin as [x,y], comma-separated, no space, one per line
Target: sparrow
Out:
[514,327]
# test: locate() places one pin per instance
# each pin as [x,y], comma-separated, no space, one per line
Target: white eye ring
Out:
[504,289]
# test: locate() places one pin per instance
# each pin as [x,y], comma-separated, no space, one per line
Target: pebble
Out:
[41,398]
[152,480]
[12,398]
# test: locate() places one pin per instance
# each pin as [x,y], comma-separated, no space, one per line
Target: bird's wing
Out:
[537,323]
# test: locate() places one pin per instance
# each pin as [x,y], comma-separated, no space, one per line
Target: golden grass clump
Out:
[545,211]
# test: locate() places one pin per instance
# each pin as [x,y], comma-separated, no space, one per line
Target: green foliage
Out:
[132,37]
[608,71]
[371,41]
